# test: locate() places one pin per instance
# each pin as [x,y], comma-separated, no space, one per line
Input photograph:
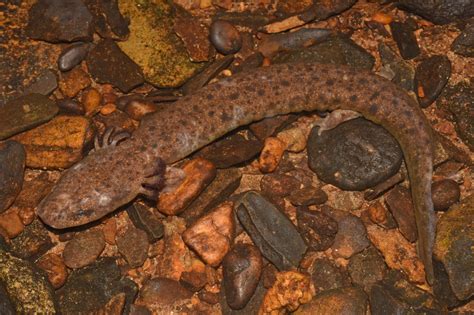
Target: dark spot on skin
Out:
[373,109]
[211,113]
[210,96]
[353,98]
[407,113]
[250,88]
[285,82]
[142,148]
[154,146]
[374,96]
[151,128]
[183,122]
[395,103]
[234,96]
[364,81]
[261,92]
[322,99]
[330,82]
[336,100]
[225,117]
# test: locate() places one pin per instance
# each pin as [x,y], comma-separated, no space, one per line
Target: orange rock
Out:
[294,139]
[74,81]
[91,100]
[210,236]
[10,222]
[136,109]
[382,18]
[27,215]
[108,109]
[199,173]
[55,268]
[271,155]
[378,213]
[110,231]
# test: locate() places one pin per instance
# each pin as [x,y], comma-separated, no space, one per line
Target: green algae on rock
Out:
[154,46]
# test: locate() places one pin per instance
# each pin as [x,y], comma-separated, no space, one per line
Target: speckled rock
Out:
[84,248]
[317,229]
[108,21]
[12,166]
[26,286]
[133,245]
[431,76]
[453,246]
[33,242]
[6,305]
[326,276]
[44,84]
[355,155]
[439,11]
[74,81]
[55,268]
[366,268]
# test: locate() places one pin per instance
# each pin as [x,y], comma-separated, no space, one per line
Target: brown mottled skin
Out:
[113,176]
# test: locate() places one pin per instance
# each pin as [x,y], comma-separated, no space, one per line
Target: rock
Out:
[74,81]
[195,279]
[97,284]
[231,150]
[441,288]
[326,276]
[400,204]
[366,268]
[26,286]
[290,290]
[271,154]
[136,109]
[208,297]
[91,99]
[6,305]
[84,248]
[110,230]
[439,11]
[162,291]
[60,20]
[271,231]
[144,219]
[69,106]
[395,295]
[72,56]
[194,36]
[133,245]
[44,84]
[464,43]
[107,63]
[278,185]
[211,235]
[355,155]
[154,45]
[108,21]
[398,252]
[339,50]
[453,246]
[396,69]
[294,139]
[242,268]
[348,300]
[33,242]
[24,113]
[58,143]
[270,126]
[381,216]
[406,41]
[308,196]
[32,192]
[55,268]
[12,167]
[225,37]
[252,307]
[11,223]
[431,76]
[445,193]
[317,229]
[199,173]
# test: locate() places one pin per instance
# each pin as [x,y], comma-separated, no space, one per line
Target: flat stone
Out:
[44,84]
[278,185]
[308,196]
[464,44]
[26,286]
[55,268]
[144,219]
[74,81]
[11,223]
[355,155]
[12,166]
[326,276]
[441,288]
[366,268]
[439,11]
[317,229]
[162,291]
[133,245]
[405,38]
[33,242]
[107,63]
[60,21]
[453,246]
[431,76]
[445,193]
[84,248]
[195,37]
[108,21]
[400,204]
[33,191]
[24,113]
[271,231]
[270,126]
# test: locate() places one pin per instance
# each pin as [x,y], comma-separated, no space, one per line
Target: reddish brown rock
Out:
[381,216]
[91,100]
[195,279]
[73,82]
[195,37]
[280,185]
[400,204]
[55,269]
[133,245]
[110,231]
[308,196]
[138,108]
[27,215]
[162,291]
[11,223]
[445,193]
[348,300]
[271,155]
[84,248]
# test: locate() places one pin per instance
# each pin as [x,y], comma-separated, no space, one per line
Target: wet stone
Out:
[55,268]
[439,11]
[232,150]
[453,246]
[307,196]
[317,229]
[144,219]
[252,307]
[271,231]
[33,242]
[96,284]
[441,288]
[12,166]
[25,113]
[44,84]
[196,278]
[445,193]
[464,43]
[32,192]
[396,69]
[400,204]
[108,21]
[11,223]
[72,56]
[327,276]
[431,76]
[366,268]
[242,268]
[406,41]
[74,81]
[355,155]
[162,291]
[84,248]
[133,245]
[26,286]
[278,185]
[381,216]
[225,37]
[60,21]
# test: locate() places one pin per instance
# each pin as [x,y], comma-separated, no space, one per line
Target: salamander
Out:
[117,172]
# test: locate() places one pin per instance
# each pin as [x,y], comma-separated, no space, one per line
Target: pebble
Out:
[27,215]
[72,55]
[199,173]
[108,20]
[195,279]
[74,81]
[378,214]
[55,268]
[84,248]
[439,11]
[464,44]
[195,37]
[317,229]
[441,288]
[58,143]
[278,185]
[453,246]
[6,305]
[107,63]
[60,21]
[162,291]
[355,155]
[445,193]
[133,245]
[33,242]
[231,150]
[294,139]
[108,109]
[70,106]
[271,231]
[26,286]
[326,276]
[225,37]
[11,223]
[396,69]
[271,154]
[97,284]
[136,109]
[400,204]
[110,230]
[308,196]
[44,84]
[406,41]
[211,236]
[348,300]
[431,76]
[91,100]
[144,219]
[366,268]
[32,192]
[242,268]
[24,113]
[12,167]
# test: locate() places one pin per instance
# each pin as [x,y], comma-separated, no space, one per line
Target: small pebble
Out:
[400,204]
[108,109]
[91,100]
[133,245]
[381,216]
[55,268]
[162,291]
[348,300]
[280,185]
[136,109]
[110,231]
[11,223]
[308,196]
[27,215]
[45,84]
[445,193]
[271,155]
[69,106]
[146,220]
[382,18]
[225,37]
[294,138]
[405,39]
[317,229]
[84,248]
[431,76]
[74,81]
[327,276]
[366,268]
[72,56]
